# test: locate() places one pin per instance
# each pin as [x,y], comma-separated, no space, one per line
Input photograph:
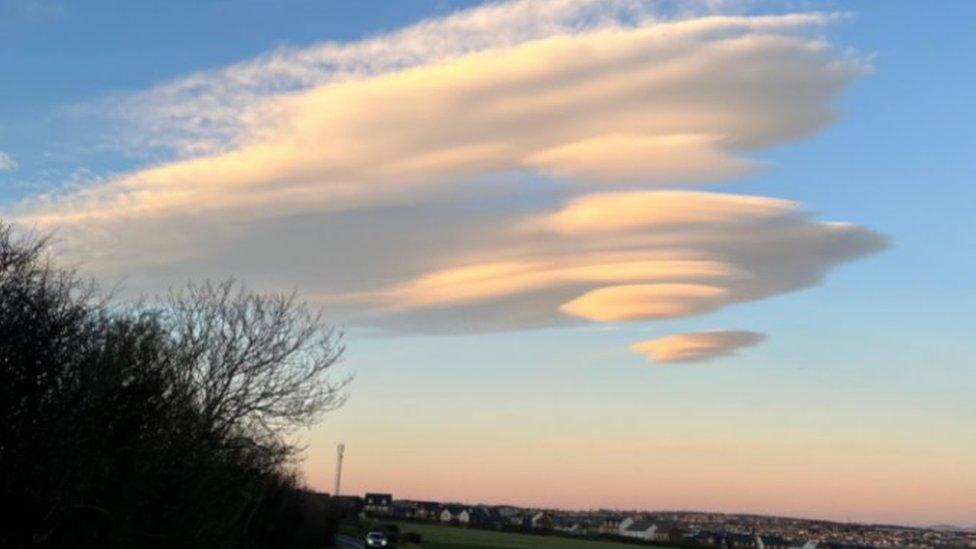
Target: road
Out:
[347,542]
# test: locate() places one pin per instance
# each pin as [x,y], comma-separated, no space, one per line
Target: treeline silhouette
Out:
[155,425]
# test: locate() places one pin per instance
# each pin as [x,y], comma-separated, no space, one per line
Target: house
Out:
[568,525]
[710,537]
[610,524]
[668,531]
[403,509]
[638,529]
[539,521]
[741,541]
[455,514]
[586,525]
[378,504]
[771,542]
[511,516]
[486,517]
[427,510]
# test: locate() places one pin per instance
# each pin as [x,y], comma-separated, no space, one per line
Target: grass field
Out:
[450,537]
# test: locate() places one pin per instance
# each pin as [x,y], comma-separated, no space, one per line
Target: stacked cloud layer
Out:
[532,169]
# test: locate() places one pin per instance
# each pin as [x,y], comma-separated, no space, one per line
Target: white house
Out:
[540,521]
[455,513]
[610,524]
[509,514]
[638,529]
[567,526]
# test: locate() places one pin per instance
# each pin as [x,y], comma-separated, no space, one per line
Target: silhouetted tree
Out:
[253,362]
[150,426]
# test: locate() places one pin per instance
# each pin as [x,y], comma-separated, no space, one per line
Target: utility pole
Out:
[339,451]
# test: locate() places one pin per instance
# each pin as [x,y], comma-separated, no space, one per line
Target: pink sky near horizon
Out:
[885,480]
[819,490]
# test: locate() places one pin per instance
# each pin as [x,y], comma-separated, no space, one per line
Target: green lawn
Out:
[451,537]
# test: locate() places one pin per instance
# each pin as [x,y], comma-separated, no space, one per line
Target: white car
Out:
[377,539]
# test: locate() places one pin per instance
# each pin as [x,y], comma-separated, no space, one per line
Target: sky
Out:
[587,253]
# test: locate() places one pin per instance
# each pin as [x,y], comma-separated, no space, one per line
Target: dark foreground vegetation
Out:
[158,425]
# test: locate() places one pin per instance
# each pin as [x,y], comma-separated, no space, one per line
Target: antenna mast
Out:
[339,451]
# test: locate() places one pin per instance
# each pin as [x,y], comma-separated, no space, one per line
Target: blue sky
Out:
[869,373]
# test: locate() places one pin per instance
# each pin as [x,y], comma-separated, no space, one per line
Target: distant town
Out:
[672,528]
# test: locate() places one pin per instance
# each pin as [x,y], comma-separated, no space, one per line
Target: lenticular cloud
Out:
[548,171]
[696,346]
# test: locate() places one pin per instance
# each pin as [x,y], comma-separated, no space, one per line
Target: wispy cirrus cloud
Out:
[499,168]
[697,346]
[215,110]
